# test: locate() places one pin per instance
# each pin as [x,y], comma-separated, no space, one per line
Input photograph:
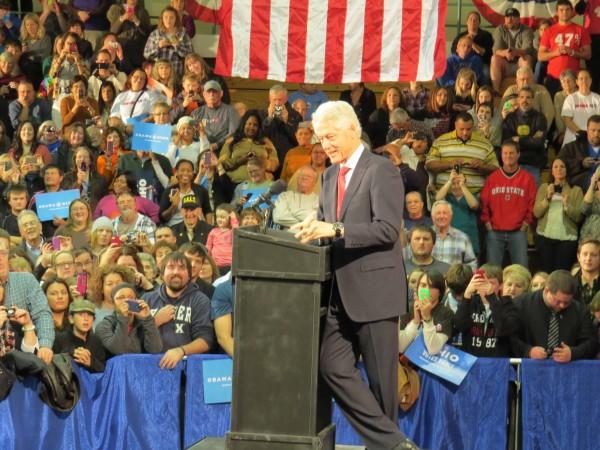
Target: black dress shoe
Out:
[406,444]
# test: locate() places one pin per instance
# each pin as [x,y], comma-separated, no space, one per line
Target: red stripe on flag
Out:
[334,42]
[225,51]
[439,57]
[410,44]
[297,29]
[371,58]
[259,39]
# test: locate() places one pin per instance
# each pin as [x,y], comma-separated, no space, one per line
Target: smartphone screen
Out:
[109,147]
[82,283]
[73,47]
[424,294]
[56,243]
[134,306]
[116,240]
[207,158]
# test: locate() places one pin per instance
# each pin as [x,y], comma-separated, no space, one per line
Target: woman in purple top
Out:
[125,181]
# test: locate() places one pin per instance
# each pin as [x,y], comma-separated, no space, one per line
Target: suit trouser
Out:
[371,409]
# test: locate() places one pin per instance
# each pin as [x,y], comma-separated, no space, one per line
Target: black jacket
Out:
[575,328]
[483,334]
[525,125]
[201,231]
[67,342]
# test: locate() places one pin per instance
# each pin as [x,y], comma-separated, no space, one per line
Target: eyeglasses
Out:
[65,264]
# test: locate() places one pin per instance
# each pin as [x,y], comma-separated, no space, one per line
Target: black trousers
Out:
[555,254]
[371,409]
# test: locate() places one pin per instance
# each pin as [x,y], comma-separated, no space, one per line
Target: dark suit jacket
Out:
[368,261]
[575,327]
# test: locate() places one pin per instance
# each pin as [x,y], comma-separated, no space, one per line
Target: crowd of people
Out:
[142,261]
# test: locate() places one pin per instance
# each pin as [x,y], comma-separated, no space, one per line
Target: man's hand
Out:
[313,229]
[588,162]
[83,356]
[524,226]
[171,358]
[45,354]
[164,315]
[562,354]
[538,353]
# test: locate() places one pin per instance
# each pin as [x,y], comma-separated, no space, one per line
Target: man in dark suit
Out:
[360,209]
[553,325]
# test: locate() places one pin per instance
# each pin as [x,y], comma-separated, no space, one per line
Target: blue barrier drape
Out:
[202,420]
[133,405]
[560,405]
[446,417]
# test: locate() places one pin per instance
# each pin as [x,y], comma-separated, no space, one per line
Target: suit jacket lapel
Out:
[357,175]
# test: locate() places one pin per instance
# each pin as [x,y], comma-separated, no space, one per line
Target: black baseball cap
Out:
[190,201]
[512,12]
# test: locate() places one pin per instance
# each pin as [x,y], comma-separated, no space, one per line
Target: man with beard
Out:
[181,312]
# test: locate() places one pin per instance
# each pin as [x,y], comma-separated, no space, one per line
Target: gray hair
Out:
[399,115]
[338,112]
[525,70]
[440,203]
[277,88]
[567,73]
[26,212]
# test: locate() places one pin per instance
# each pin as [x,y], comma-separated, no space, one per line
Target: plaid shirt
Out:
[143,224]
[175,54]
[454,248]
[23,291]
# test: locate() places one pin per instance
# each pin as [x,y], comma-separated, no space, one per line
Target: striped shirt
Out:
[448,147]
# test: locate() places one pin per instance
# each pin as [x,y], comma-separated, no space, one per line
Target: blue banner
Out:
[149,137]
[450,364]
[55,204]
[217,379]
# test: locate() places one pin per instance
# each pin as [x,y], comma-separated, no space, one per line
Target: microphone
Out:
[276,188]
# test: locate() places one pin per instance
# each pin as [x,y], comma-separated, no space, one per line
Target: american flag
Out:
[328,41]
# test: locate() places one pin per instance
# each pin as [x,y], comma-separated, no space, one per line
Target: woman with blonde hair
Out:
[10,75]
[516,280]
[465,90]
[78,223]
[163,80]
[196,65]
[36,45]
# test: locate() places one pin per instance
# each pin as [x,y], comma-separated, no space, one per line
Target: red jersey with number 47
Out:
[572,36]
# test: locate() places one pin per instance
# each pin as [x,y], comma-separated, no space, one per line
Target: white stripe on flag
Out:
[316,33]
[391,37]
[241,13]
[354,32]
[278,39]
[429,30]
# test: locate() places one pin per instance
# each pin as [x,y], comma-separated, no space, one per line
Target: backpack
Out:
[59,387]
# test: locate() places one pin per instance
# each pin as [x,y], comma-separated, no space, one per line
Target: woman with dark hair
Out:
[125,181]
[130,22]
[169,41]
[78,106]
[363,101]
[102,283]
[59,298]
[136,101]
[248,141]
[112,147]
[25,145]
[379,120]
[83,176]
[430,316]
[74,136]
[4,139]
[558,210]
[195,64]
[106,97]
[438,111]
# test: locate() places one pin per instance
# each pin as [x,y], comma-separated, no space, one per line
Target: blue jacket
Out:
[453,65]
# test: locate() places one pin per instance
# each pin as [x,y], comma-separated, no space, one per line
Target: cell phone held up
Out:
[134,306]
[56,243]
[82,283]
[456,168]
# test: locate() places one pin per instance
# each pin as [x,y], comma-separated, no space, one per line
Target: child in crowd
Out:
[538,281]
[517,280]
[80,341]
[220,240]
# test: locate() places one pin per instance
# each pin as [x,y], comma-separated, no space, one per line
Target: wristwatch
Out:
[338,227]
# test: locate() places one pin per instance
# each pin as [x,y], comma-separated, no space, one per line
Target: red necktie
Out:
[341,189]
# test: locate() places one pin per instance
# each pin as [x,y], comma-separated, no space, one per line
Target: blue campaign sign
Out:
[136,119]
[55,204]
[450,364]
[217,377]
[149,137]
[255,194]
